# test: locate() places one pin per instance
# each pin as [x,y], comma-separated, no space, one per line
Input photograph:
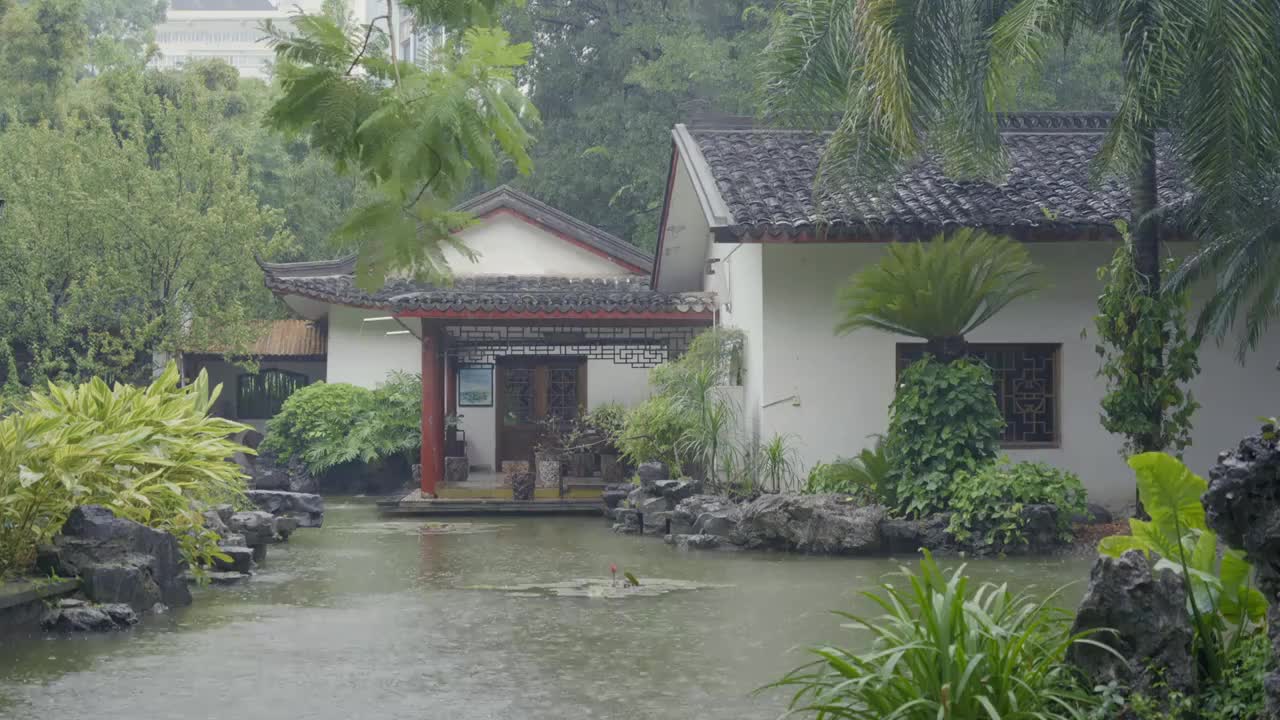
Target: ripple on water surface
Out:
[375,619]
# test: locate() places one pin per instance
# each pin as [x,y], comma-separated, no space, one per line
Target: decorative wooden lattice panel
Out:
[562,393]
[1026,387]
[638,347]
[262,395]
[517,399]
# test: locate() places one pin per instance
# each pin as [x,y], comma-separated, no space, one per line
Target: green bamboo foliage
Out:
[151,454]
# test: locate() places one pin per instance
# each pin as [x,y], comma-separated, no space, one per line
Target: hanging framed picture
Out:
[475,386]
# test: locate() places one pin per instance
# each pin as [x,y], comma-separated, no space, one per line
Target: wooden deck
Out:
[488,506]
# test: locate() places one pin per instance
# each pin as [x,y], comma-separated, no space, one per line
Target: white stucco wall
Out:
[735,279]
[507,245]
[361,353]
[844,384]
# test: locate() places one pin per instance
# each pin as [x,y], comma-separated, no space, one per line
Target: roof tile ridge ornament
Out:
[1056,121]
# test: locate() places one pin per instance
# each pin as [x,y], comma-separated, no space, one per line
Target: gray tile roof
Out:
[766,178]
[332,281]
[485,293]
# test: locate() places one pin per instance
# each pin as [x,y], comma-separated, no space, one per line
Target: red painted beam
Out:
[692,318]
[432,457]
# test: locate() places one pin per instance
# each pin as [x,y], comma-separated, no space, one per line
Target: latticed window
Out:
[1026,387]
[562,393]
[262,395]
[518,395]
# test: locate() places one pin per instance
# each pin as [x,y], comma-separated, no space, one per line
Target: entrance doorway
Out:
[531,392]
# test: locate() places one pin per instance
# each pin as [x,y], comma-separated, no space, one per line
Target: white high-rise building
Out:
[230,30]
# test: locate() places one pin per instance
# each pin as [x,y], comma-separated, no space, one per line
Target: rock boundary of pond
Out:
[677,511]
[103,572]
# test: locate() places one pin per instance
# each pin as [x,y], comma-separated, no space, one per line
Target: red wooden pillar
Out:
[432,410]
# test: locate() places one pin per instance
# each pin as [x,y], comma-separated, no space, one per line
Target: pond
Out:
[371,619]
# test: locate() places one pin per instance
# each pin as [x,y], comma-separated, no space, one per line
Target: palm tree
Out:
[907,78]
[941,290]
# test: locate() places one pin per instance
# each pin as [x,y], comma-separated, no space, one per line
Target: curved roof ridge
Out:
[1030,121]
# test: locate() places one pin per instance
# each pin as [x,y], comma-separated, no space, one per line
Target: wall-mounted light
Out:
[378,319]
[397,332]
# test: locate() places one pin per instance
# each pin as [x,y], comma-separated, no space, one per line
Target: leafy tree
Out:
[415,133]
[610,79]
[42,46]
[129,230]
[121,32]
[906,79]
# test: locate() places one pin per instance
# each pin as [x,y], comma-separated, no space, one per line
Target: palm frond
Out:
[941,289]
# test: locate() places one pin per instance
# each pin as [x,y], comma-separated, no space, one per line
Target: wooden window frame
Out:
[1052,349]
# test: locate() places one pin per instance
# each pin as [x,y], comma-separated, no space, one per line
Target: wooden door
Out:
[532,391]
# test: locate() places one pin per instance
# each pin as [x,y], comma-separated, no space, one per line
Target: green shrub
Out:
[865,477]
[316,425]
[943,421]
[653,431]
[329,424]
[393,424]
[1220,597]
[150,454]
[987,504]
[1239,695]
[942,650]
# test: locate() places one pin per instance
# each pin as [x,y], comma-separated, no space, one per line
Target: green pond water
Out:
[372,619]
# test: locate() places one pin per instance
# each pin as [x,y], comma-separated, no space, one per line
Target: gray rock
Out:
[233,540]
[241,560]
[267,472]
[635,497]
[89,618]
[822,524]
[285,526]
[615,493]
[628,521]
[217,577]
[257,526]
[214,522]
[677,490]
[1242,504]
[904,536]
[696,542]
[656,523]
[306,507]
[1144,615]
[706,515]
[120,561]
[652,472]
[225,511]
[1040,526]
[652,504]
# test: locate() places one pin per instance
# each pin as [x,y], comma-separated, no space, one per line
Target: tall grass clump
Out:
[151,454]
[943,649]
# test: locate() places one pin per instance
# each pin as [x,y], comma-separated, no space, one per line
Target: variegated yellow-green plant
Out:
[1221,598]
[151,454]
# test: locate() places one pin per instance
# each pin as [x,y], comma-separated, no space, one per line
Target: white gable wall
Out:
[845,383]
[361,353]
[509,245]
